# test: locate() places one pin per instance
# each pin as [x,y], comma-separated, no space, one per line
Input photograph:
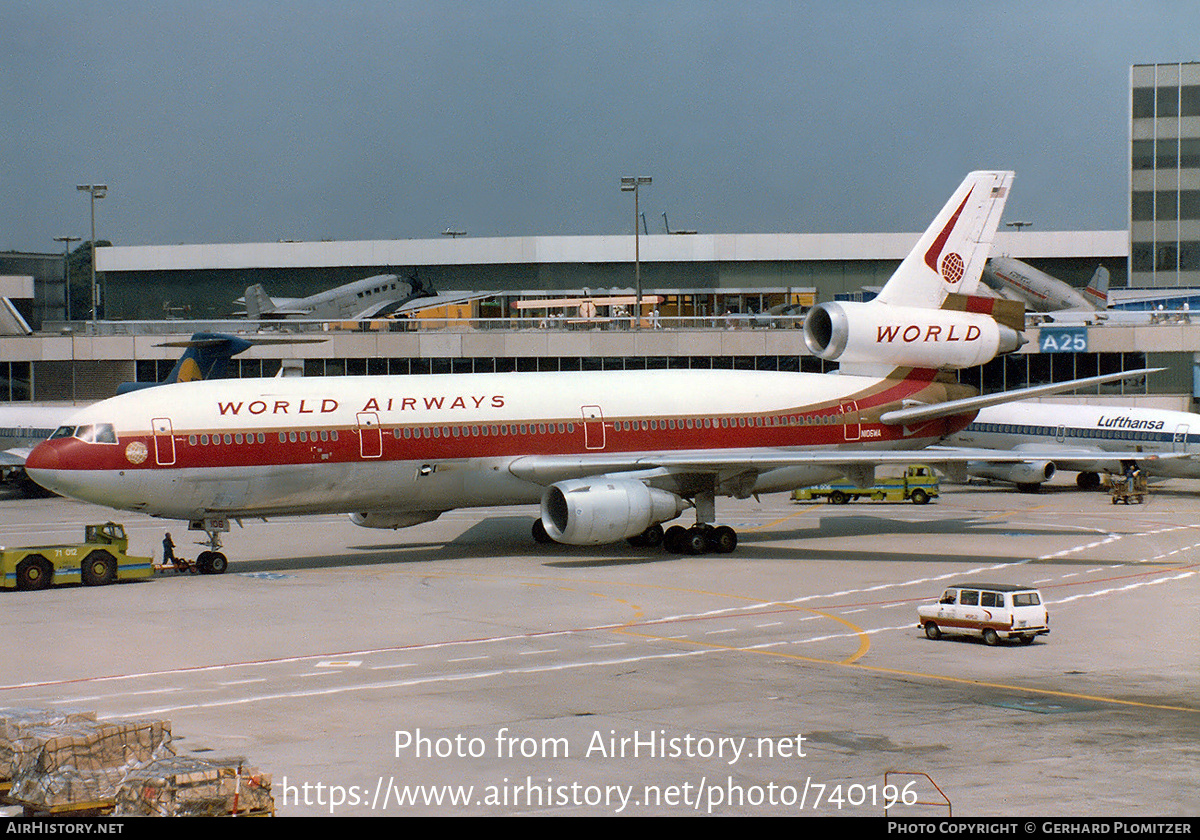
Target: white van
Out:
[993,611]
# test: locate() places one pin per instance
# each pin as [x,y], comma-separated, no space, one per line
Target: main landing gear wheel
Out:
[539,533]
[652,537]
[700,539]
[722,540]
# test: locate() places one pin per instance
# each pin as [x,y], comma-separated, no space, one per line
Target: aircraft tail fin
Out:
[206,356]
[929,316]
[257,302]
[11,322]
[949,256]
[1097,289]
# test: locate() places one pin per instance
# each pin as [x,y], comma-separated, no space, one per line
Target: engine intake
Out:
[1026,472]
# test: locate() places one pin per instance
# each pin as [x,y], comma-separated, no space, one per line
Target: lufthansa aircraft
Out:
[1088,439]
[608,455]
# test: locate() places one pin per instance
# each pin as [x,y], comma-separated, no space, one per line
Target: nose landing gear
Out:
[212,561]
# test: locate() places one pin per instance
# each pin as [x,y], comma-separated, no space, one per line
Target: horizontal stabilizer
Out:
[920,413]
[1009,313]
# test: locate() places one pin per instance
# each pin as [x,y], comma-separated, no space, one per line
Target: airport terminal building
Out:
[715,295]
[1164,182]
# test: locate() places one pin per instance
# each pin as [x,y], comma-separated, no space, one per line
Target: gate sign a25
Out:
[1064,339]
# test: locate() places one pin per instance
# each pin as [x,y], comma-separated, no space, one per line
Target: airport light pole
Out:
[631,185]
[97,191]
[66,241]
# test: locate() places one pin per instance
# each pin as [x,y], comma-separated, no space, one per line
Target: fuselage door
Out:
[1179,441]
[164,441]
[850,422]
[370,435]
[593,427]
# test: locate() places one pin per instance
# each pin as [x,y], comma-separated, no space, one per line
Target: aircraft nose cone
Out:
[43,457]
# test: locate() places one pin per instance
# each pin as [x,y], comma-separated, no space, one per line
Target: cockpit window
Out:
[105,433]
[63,432]
[96,433]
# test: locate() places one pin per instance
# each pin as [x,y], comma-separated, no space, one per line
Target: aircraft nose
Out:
[43,457]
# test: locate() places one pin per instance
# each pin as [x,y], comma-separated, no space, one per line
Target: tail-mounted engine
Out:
[874,335]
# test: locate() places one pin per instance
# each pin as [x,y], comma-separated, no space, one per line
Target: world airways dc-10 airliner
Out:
[608,455]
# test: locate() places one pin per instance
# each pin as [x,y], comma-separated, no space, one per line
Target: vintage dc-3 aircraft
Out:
[609,455]
[379,296]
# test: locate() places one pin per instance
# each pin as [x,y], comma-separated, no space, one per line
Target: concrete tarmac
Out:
[457,668]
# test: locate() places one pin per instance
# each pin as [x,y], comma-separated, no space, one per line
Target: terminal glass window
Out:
[14,382]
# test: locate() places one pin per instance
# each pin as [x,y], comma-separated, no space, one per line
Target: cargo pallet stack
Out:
[71,764]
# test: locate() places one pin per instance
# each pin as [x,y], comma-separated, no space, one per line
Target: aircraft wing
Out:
[1070,458]
[378,308]
[285,312]
[14,457]
[548,469]
[219,340]
[914,414]
[446,299]
[1076,458]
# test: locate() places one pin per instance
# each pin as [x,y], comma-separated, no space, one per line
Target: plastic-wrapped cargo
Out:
[76,762]
[186,786]
[18,726]
[67,788]
[94,746]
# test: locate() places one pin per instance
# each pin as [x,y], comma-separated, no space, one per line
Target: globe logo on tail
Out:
[952,268]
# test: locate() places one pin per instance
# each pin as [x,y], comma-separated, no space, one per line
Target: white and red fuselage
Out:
[262,447]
